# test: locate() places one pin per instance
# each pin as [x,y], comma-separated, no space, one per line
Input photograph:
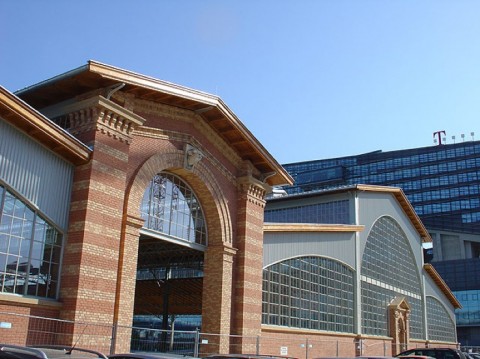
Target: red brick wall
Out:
[26,330]
[99,263]
[303,344]
[248,261]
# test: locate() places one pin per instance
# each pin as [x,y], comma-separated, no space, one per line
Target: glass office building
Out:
[463,278]
[442,183]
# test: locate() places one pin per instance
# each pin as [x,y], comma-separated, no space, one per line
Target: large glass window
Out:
[388,270]
[309,292]
[169,206]
[30,249]
[469,314]
[328,212]
[453,169]
[440,325]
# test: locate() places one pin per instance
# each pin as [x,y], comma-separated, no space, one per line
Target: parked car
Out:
[245,356]
[437,353]
[9,351]
[416,357]
[149,355]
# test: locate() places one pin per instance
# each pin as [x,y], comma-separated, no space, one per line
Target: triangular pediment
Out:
[399,303]
[98,77]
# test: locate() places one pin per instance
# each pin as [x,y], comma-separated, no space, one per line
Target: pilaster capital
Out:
[226,251]
[95,113]
[133,221]
[253,188]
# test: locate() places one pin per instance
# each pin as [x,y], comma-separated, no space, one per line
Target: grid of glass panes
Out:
[469,314]
[388,269]
[440,326]
[375,300]
[328,212]
[170,206]
[440,181]
[388,257]
[309,292]
[461,275]
[30,250]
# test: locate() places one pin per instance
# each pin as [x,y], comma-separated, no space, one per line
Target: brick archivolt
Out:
[151,132]
[204,185]
[196,120]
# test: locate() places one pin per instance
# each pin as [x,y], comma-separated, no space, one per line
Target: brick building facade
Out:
[136,127]
[89,160]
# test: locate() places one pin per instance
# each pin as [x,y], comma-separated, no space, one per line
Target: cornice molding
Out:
[96,113]
[432,272]
[407,207]
[36,125]
[304,227]
[290,330]
[254,189]
[135,222]
[29,302]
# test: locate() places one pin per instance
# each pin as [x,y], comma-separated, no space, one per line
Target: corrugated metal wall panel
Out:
[279,246]
[373,206]
[36,173]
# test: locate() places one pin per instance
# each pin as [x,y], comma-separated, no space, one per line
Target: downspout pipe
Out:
[115,89]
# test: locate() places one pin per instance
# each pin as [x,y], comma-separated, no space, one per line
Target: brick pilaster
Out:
[126,281]
[217,296]
[92,252]
[247,315]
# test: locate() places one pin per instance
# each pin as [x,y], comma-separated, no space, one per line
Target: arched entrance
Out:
[172,242]
[399,317]
[174,246]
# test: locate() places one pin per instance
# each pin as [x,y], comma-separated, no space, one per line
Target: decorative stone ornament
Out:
[192,156]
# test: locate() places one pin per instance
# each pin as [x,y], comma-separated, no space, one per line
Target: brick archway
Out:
[218,262]
[201,180]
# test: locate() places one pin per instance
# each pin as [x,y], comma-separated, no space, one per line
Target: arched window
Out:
[440,326]
[169,206]
[309,292]
[389,270]
[30,249]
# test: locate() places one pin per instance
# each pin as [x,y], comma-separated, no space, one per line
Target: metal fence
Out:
[157,340]
[470,349]
[34,330]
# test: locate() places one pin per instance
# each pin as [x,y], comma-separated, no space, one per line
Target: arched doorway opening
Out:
[168,295]
[399,317]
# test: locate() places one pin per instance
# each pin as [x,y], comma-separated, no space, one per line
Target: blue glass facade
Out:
[329,212]
[441,182]
[463,278]
[443,185]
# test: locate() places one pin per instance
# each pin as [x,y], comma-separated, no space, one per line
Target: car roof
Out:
[48,352]
[149,355]
[246,356]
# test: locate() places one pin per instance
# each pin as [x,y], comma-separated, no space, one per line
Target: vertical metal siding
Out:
[375,205]
[279,246]
[36,173]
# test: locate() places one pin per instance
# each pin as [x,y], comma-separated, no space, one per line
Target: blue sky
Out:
[310,79]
